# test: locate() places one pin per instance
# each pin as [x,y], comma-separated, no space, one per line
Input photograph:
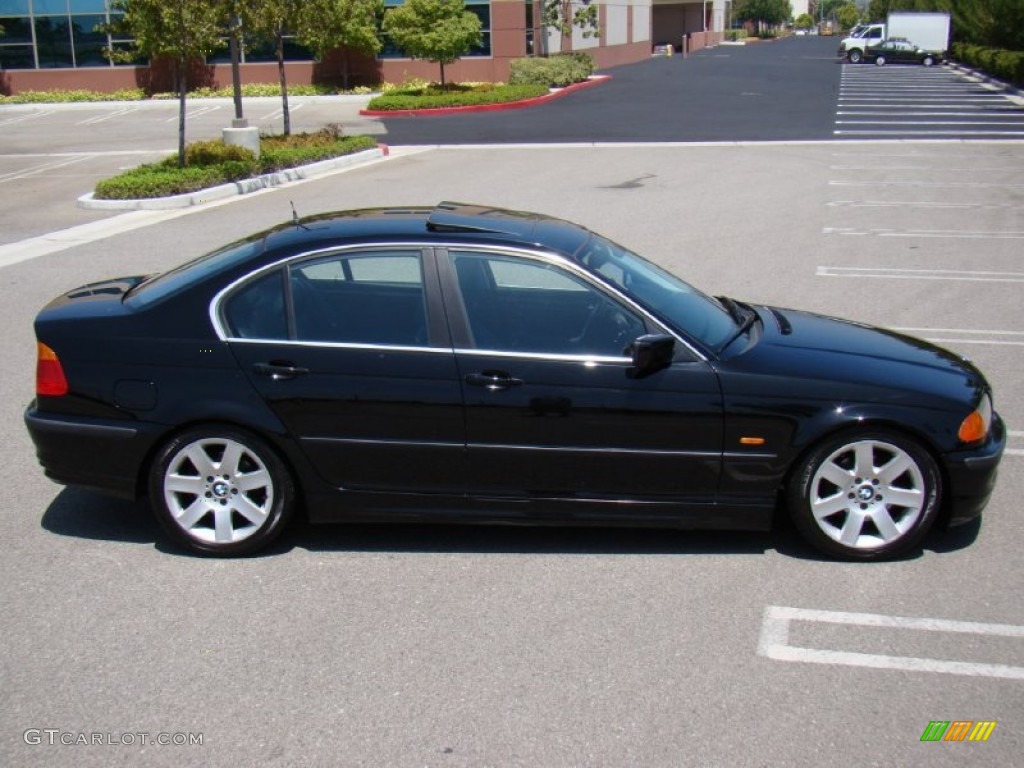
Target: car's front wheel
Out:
[865,495]
[855,56]
[928,61]
[880,61]
[218,490]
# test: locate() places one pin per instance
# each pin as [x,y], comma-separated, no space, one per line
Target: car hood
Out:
[810,346]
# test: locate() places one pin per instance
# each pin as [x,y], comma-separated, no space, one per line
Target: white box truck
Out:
[928,31]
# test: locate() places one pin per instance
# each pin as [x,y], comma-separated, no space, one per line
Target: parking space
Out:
[914,102]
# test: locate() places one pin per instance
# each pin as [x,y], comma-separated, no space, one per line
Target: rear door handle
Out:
[493,381]
[279,370]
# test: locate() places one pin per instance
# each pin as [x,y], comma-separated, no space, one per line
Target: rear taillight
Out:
[50,379]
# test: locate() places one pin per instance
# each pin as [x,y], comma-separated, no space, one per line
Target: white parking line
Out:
[37,169]
[191,113]
[773,642]
[922,274]
[957,336]
[24,118]
[108,116]
[924,184]
[927,233]
[277,114]
[923,204]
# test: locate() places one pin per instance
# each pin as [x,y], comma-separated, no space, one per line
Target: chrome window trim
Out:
[552,356]
[340,345]
[218,299]
[548,257]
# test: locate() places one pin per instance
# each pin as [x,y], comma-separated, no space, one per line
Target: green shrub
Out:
[210,163]
[997,62]
[553,71]
[213,152]
[732,35]
[437,98]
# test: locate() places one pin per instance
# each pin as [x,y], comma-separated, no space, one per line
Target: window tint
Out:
[518,305]
[361,298]
[257,310]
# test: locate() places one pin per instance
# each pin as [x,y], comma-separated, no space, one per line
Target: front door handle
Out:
[279,370]
[493,381]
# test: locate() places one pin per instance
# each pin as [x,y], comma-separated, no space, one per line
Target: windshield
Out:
[677,302]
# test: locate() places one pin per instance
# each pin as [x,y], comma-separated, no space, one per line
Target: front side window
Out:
[520,305]
[666,295]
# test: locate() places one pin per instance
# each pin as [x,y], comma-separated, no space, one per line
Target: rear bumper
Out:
[101,455]
[972,475]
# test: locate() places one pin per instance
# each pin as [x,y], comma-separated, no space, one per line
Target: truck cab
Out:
[861,37]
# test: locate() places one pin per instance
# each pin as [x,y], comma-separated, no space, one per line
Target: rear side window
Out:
[257,310]
[368,297]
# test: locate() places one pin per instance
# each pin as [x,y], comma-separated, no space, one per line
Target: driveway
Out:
[768,91]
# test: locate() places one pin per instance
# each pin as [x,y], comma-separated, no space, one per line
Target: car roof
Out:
[446,221]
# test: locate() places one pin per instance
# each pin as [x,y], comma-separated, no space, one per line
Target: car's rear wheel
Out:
[928,61]
[880,61]
[865,495]
[218,490]
[855,56]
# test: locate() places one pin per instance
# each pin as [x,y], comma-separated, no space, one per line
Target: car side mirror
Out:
[651,353]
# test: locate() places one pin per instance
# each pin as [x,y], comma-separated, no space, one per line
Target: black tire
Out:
[219,490]
[880,61]
[838,502]
[856,56]
[928,61]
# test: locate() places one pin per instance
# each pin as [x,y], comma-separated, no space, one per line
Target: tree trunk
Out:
[442,75]
[284,84]
[182,88]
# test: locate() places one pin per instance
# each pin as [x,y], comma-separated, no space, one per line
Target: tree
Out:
[766,12]
[181,30]
[435,30]
[847,15]
[563,15]
[323,25]
[271,20]
[803,21]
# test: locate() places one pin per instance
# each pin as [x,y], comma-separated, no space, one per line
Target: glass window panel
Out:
[13,8]
[368,298]
[53,41]
[89,43]
[16,57]
[42,7]
[16,31]
[88,6]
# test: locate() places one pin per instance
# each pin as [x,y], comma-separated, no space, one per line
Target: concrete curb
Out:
[555,93]
[985,77]
[234,188]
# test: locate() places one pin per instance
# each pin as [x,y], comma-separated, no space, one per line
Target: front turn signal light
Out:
[974,428]
[50,379]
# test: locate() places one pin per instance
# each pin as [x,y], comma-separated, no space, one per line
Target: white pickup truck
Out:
[928,31]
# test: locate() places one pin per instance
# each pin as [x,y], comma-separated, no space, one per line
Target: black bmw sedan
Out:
[468,364]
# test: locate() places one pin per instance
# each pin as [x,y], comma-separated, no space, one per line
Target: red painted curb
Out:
[557,94]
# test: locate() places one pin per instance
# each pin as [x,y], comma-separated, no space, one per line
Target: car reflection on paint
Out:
[469,364]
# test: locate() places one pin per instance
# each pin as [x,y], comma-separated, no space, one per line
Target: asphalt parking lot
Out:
[369,645]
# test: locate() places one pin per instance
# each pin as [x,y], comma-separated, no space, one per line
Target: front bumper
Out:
[972,475]
[98,454]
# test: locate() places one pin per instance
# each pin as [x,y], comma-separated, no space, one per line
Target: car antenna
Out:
[295,216]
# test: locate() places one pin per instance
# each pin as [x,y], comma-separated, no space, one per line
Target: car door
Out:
[351,353]
[552,407]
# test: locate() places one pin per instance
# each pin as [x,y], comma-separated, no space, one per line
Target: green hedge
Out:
[1000,63]
[555,71]
[210,163]
[434,97]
